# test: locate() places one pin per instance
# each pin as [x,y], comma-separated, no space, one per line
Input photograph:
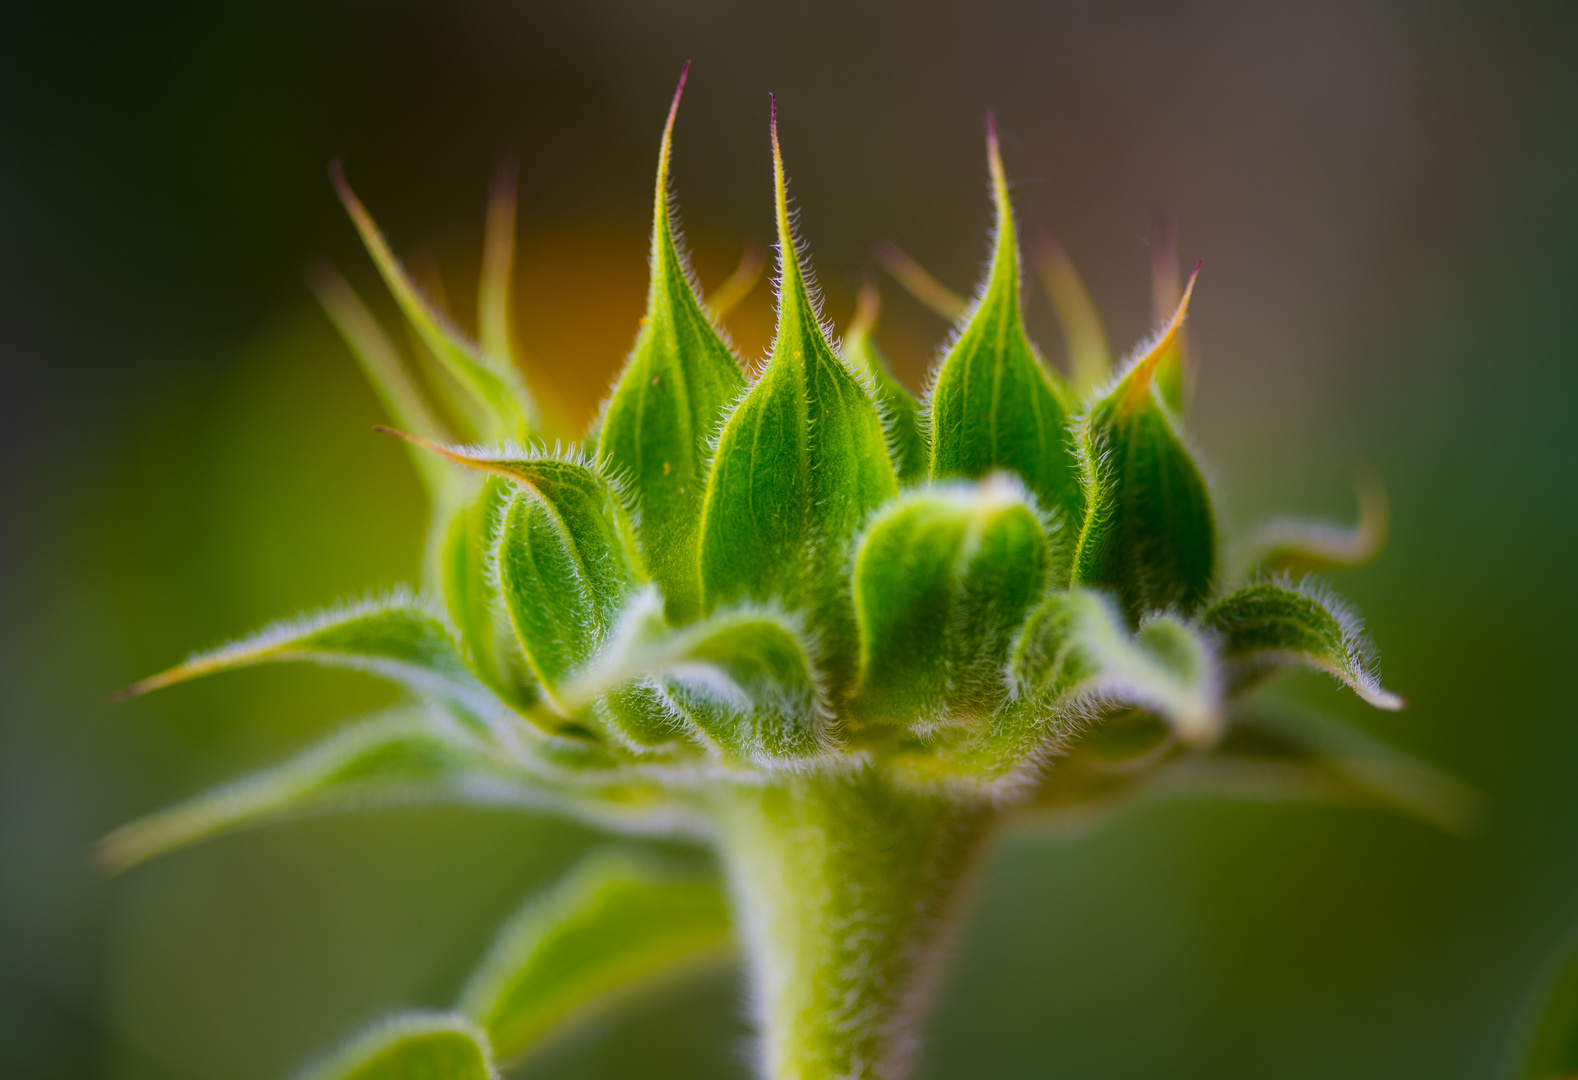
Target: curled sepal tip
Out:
[667,407]
[799,464]
[994,405]
[615,926]
[1149,534]
[1271,625]
[1289,546]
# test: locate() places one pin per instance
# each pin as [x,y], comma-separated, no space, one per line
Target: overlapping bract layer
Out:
[1000,590]
[786,570]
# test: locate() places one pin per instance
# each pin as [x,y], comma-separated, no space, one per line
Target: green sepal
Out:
[565,558]
[397,759]
[943,578]
[471,595]
[901,413]
[494,385]
[396,637]
[1270,625]
[413,1046]
[1076,647]
[566,564]
[658,426]
[800,463]
[1149,535]
[615,927]
[745,679]
[994,405]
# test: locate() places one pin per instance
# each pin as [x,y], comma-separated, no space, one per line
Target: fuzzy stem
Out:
[845,888]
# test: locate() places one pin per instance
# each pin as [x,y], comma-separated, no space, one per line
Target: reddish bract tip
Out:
[679,91]
[342,188]
[994,163]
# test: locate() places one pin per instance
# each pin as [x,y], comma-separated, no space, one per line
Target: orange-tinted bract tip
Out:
[1139,380]
[679,92]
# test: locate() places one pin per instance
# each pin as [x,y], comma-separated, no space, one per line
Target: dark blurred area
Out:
[1384,199]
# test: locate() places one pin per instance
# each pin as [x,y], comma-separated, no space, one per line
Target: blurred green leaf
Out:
[918,282]
[403,757]
[738,285]
[495,323]
[1149,533]
[1174,377]
[943,577]
[494,385]
[413,1046]
[994,404]
[901,413]
[1289,546]
[1548,1044]
[1267,626]
[1084,337]
[799,465]
[667,407]
[400,395]
[615,927]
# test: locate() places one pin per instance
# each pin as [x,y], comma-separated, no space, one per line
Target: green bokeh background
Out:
[1385,198]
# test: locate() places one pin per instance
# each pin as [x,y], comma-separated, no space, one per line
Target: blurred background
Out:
[1384,199]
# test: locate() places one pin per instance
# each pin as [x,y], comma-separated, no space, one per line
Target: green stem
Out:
[845,889]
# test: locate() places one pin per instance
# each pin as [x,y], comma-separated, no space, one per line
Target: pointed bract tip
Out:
[679,92]
[506,177]
[1383,699]
[994,156]
[126,693]
[788,261]
[1139,379]
[417,440]
[342,186]
[481,464]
